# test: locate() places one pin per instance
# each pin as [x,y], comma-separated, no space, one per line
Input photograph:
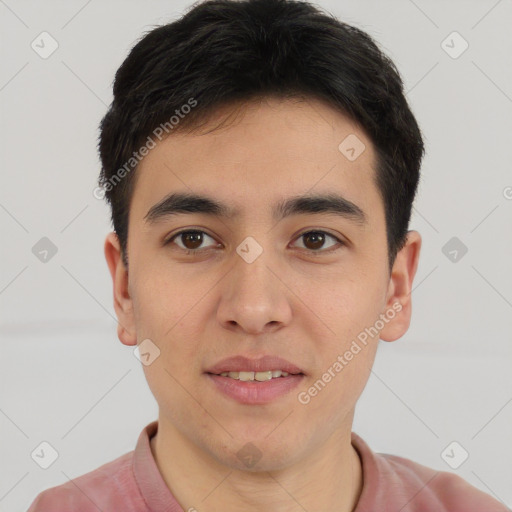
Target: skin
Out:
[305,308]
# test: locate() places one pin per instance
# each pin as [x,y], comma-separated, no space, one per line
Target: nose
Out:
[254,298]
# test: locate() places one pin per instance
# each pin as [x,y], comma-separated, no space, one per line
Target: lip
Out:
[243,364]
[254,392]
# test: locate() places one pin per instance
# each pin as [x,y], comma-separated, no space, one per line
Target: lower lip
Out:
[255,392]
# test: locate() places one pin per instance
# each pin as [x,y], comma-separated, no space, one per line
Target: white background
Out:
[64,376]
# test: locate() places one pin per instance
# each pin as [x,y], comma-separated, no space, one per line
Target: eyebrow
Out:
[185,202]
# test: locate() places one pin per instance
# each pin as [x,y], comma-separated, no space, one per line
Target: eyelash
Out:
[318,252]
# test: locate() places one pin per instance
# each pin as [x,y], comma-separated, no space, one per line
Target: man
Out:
[261,162]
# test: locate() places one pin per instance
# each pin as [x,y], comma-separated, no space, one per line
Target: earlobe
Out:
[400,287]
[123,303]
[125,337]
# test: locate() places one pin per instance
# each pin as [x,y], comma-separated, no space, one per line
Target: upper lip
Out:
[244,364]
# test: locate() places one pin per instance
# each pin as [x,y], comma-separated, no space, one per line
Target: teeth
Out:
[246,375]
[259,376]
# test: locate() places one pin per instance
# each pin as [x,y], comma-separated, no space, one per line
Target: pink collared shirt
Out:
[133,483]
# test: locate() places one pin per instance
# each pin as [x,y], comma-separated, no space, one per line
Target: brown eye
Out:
[194,238]
[191,240]
[315,240]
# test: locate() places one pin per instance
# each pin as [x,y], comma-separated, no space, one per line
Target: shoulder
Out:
[447,491]
[405,485]
[110,484]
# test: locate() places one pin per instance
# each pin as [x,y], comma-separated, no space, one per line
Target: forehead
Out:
[269,151]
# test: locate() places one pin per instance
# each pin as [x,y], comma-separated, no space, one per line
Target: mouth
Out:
[256,376]
[264,368]
[255,381]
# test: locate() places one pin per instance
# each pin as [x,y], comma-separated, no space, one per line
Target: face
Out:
[301,283]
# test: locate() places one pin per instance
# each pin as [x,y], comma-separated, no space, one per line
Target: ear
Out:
[123,303]
[400,287]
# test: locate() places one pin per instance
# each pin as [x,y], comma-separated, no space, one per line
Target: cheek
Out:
[348,352]
[168,312]
[160,301]
[172,394]
[332,392]
[349,307]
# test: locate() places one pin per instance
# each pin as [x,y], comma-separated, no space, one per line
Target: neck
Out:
[328,478]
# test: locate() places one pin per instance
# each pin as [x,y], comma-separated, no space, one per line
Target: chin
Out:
[258,454]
